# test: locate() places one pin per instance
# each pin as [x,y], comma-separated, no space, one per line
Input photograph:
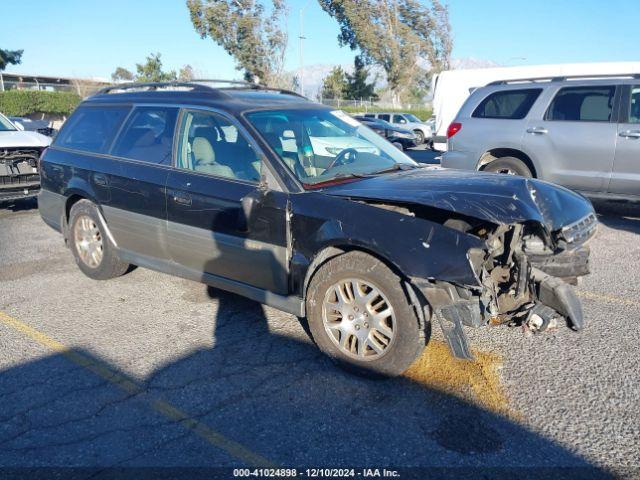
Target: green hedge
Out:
[423,114]
[26,102]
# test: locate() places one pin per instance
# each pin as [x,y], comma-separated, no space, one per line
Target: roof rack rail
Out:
[151,86]
[562,78]
[198,84]
[244,84]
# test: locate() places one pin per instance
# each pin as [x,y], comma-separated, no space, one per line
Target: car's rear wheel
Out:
[359,315]
[509,166]
[420,135]
[91,247]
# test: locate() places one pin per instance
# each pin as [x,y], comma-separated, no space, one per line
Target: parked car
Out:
[19,153]
[409,121]
[580,133]
[256,191]
[30,125]
[396,135]
[450,88]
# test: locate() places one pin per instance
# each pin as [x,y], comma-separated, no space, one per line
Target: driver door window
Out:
[210,143]
[399,119]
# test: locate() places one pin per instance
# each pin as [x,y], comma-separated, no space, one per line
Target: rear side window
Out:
[148,135]
[634,106]
[384,117]
[508,104]
[91,128]
[582,104]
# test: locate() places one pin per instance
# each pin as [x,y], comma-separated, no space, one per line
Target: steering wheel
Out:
[348,155]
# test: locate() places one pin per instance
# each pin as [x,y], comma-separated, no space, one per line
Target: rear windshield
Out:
[91,129]
[508,104]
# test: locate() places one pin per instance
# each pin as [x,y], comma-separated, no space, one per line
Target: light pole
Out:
[301,39]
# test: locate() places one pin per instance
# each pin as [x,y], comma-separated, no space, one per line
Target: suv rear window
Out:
[508,104]
[582,104]
[91,128]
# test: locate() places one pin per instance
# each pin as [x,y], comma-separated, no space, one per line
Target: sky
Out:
[90,38]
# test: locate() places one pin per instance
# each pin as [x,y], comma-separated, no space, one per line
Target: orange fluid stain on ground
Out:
[477,381]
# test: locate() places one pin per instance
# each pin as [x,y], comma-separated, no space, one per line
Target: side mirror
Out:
[402,120]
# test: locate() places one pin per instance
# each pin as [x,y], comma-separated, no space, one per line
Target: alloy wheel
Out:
[359,319]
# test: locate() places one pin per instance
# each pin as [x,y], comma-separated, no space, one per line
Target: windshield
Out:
[412,118]
[5,124]
[322,145]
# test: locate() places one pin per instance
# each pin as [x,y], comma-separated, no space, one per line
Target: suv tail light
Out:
[454,128]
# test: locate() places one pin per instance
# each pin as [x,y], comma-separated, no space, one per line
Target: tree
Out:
[334,85]
[186,74]
[122,74]
[396,35]
[10,57]
[255,38]
[151,70]
[357,86]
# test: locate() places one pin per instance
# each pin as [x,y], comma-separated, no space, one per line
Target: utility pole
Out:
[301,39]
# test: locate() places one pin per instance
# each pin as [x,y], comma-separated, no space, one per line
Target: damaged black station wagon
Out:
[263,193]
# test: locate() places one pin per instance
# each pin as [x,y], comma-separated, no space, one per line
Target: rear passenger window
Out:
[148,135]
[507,104]
[384,117]
[634,107]
[582,104]
[210,143]
[91,129]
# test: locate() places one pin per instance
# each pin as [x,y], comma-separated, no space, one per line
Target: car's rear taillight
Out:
[454,128]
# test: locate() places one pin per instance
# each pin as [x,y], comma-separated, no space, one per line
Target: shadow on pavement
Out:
[19,205]
[424,155]
[619,215]
[277,396]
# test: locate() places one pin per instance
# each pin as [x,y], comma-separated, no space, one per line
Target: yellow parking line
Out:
[216,439]
[608,298]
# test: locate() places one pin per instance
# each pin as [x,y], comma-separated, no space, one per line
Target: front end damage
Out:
[19,177]
[512,287]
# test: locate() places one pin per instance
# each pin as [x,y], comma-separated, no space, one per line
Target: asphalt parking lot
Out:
[151,370]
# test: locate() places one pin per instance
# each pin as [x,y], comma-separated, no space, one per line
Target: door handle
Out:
[100,179]
[537,130]
[630,134]
[182,198]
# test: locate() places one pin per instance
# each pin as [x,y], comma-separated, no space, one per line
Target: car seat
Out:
[204,159]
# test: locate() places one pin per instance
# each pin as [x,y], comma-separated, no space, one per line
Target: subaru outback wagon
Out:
[266,194]
[582,133]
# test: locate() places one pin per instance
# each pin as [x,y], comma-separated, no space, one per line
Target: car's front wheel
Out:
[91,247]
[360,316]
[420,137]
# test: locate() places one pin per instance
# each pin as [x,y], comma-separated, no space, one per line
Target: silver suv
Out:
[580,133]
[409,121]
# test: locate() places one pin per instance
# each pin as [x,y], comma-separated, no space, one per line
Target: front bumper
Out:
[458,160]
[18,191]
[567,265]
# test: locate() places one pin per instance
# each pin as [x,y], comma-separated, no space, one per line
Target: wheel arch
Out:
[414,295]
[496,153]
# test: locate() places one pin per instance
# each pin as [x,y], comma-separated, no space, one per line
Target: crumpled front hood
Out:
[496,198]
[19,138]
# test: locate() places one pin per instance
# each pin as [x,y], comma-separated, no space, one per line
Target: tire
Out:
[99,260]
[420,135]
[403,345]
[509,166]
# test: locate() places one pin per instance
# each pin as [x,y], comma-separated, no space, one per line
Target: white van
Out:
[452,87]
